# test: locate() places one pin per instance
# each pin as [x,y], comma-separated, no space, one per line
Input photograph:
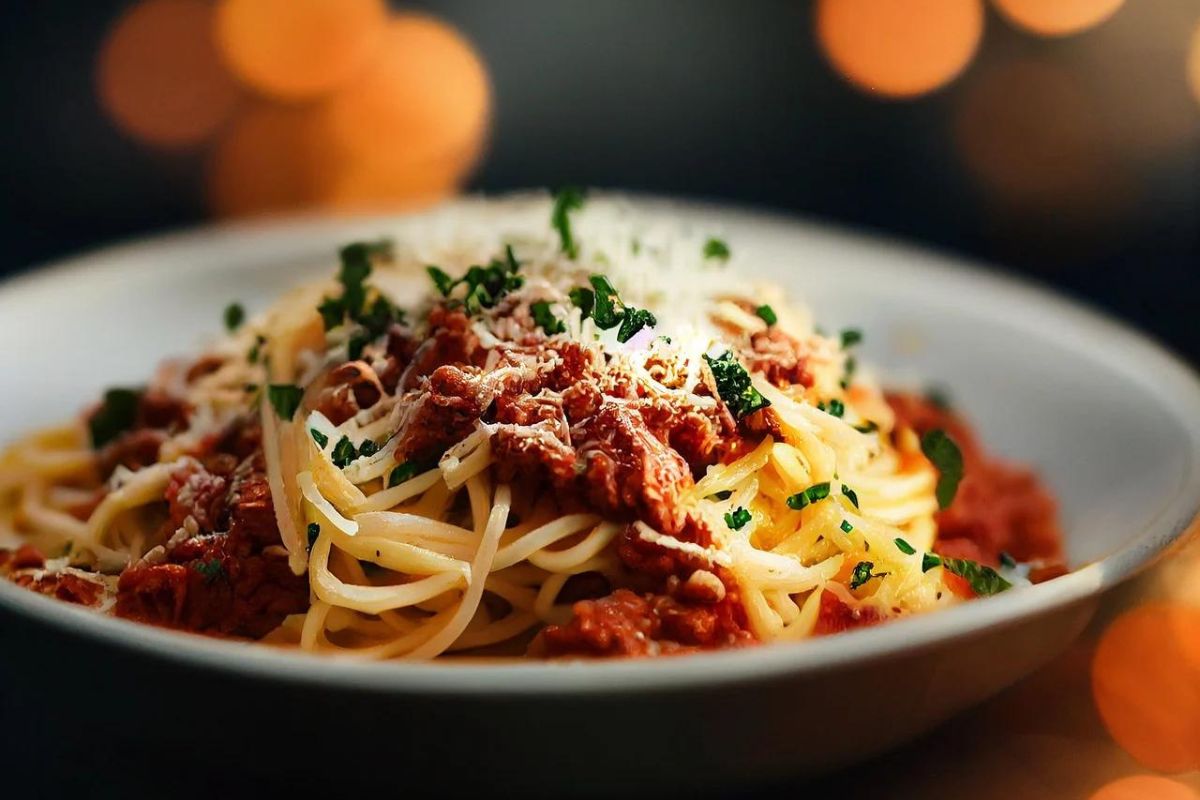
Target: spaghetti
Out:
[587,439]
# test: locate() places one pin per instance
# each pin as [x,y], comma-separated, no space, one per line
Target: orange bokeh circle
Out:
[159,76]
[298,49]
[426,95]
[1146,685]
[1057,17]
[1144,787]
[899,48]
[271,159]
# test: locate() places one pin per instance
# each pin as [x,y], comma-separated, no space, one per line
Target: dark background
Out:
[1087,175]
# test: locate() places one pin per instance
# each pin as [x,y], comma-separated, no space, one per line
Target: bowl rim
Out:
[1136,354]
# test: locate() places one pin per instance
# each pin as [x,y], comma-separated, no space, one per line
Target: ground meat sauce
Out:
[222,575]
[999,508]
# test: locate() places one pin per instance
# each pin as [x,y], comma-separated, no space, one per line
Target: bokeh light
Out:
[1026,130]
[1057,17]
[427,99]
[1193,67]
[271,159]
[159,76]
[1146,685]
[1145,787]
[899,48]
[298,49]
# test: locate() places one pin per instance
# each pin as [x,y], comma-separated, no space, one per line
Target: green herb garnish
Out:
[929,561]
[607,309]
[545,319]
[343,453]
[567,199]
[314,530]
[633,321]
[862,573]
[941,450]
[234,316]
[904,547]
[737,518]
[850,494]
[355,347]
[211,570]
[813,494]
[285,399]
[716,248]
[851,337]
[402,473]
[441,280]
[836,408]
[734,386]
[583,299]
[318,437]
[1007,561]
[368,448]
[117,414]
[255,350]
[984,580]
[724,494]
[767,315]
[846,526]
[870,426]
[851,368]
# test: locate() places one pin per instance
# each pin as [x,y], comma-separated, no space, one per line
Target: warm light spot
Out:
[1057,17]
[159,76]
[1026,131]
[375,186]
[298,49]
[899,48]
[1194,63]
[424,97]
[1145,787]
[272,159]
[1147,686]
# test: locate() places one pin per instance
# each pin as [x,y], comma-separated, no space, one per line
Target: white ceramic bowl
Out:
[1109,418]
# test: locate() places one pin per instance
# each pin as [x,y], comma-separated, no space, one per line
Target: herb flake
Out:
[734,385]
[285,399]
[945,456]
[737,519]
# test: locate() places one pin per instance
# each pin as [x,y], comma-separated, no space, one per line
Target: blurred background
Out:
[1059,139]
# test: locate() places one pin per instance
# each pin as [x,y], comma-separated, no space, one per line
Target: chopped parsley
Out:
[402,473]
[116,414]
[583,299]
[318,437]
[851,337]
[870,426]
[734,386]
[568,199]
[904,547]
[255,349]
[737,518]
[850,494]
[441,280]
[767,315]
[941,450]
[355,347]
[607,308]
[835,408]
[314,530]
[545,319]
[211,570]
[356,261]
[368,448]
[1007,561]
[485,285]
[846,526]
[235,315]
[862,573]
[929,561]
[983,580]
[633,321]
[851,368]
[343,453]
[716,248]
[813,494]
[284,398]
